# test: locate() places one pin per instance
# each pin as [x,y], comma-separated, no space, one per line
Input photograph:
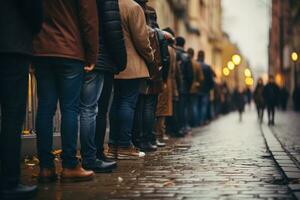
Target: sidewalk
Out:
[224,160]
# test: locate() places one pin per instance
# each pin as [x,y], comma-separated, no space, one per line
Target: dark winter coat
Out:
[271,94]
[209,74]
[20,20]
[112,55]
[186,69]
[258,96]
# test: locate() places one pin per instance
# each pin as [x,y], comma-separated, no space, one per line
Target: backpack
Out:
[156,66]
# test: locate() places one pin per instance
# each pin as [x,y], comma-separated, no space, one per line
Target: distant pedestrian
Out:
[296,98]
[271,97]
[284,97]
[259,99]
[20,21]
[248,94]
[239,98]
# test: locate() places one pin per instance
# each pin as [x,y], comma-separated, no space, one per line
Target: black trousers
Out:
[13,96]
[101,120]
[271,113]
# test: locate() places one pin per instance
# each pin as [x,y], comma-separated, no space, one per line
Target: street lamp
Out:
[236,60]
[295,58]
[226,71]
[230,65]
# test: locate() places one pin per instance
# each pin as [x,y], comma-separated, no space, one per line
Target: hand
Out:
[89,68]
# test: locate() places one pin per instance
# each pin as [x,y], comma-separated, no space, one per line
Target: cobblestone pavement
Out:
[287,130]
[224,160]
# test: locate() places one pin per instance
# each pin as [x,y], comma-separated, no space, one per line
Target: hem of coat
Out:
[59,56]
[129,78]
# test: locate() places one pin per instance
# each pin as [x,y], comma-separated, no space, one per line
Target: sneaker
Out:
[112,152]
[148,147]
[160,143]
[130,153]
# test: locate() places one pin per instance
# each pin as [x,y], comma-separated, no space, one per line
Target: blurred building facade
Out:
[200,22]
[284,39]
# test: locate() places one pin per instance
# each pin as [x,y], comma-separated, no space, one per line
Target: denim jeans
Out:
[194,108]
[184,112]
[203,108]
[172,122]
[58,80]
[13,87]
[103,106]
[90,94]
[126,94]
[145,118]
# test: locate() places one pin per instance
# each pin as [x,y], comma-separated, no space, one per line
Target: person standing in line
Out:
[97,88]
[198,78]
[165,106]
[66,46]
[16,37]
[271,97]
[127,83]
[208,85]
[259,99]
[186,69]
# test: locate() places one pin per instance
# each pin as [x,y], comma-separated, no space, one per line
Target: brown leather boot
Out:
[47,175]
[76,174]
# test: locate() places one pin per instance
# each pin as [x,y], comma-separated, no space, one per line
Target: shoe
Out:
[101,166]
[160,144]
[18,192]
[129,153]
[148,147]
[165,138]
[103,157]
[47,175]
[112,152]
[76,174]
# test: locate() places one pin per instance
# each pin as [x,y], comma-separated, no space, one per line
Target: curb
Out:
[284,161]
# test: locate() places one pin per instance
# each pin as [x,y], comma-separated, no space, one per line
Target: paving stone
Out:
[225,160]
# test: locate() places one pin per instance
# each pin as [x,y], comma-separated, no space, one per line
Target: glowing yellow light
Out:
[226,71]
[236,59]
[247,72]
[294,56]
[249,81]
[230,65]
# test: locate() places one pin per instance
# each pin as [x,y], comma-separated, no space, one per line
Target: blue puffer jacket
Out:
[112,51]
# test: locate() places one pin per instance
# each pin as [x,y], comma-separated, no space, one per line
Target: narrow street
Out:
[224,160]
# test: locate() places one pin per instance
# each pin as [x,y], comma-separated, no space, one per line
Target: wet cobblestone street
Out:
[224,160]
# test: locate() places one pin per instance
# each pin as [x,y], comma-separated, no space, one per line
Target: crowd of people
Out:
[104,62]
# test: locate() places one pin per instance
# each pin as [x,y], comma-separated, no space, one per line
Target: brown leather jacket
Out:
[198,77]
[70,30]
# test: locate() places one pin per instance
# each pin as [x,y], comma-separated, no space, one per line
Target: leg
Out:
[90,94]
[149,118]
[137,130]
[129,90]
[69,76]
[13,87]
[101,120]
[113,115]
[47,104]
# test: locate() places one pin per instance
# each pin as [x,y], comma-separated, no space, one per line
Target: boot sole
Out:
[126,157]
[77,179]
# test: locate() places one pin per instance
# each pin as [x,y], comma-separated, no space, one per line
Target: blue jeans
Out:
[90,94]
[145,119]
[126,94]
[184,112]
[203,108]
[58,79]
[13,87]
[194,108]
